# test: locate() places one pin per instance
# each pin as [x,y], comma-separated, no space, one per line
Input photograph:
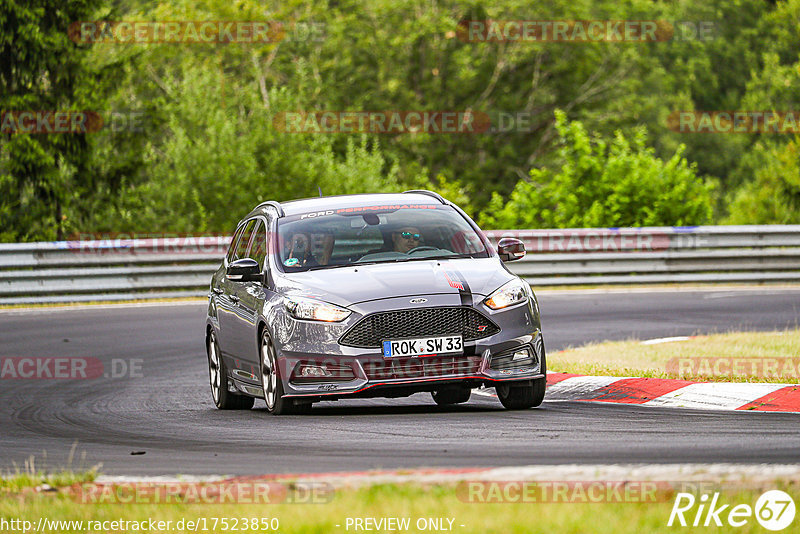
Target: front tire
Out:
[218,378]
[522,397]
[271,381]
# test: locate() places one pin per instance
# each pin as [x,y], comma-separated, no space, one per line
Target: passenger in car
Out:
[325,242]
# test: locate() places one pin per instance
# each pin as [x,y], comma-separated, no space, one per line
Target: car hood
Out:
[362,283]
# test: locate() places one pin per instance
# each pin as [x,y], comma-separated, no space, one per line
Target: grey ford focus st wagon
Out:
[375,295]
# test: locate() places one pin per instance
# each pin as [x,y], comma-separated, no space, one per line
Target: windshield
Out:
[374,234]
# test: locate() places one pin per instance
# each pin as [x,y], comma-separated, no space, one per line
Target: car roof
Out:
[305,205]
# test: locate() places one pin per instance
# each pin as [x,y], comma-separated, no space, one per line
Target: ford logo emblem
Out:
[418,301]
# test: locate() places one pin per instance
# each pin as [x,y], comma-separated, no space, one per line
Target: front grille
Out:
[400,368]
[375,328]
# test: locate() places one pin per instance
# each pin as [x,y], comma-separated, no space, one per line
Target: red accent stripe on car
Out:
[413,381]
[454,283]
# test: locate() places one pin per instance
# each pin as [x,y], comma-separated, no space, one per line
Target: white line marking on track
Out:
[578,386]
[658,340]
[714,395]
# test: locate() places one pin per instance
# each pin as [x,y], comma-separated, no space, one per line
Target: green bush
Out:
[773,197]
[603,183]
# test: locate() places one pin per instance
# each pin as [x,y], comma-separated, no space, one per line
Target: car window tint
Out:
[355,242]
[258,248]
[244,240]
[388,234]
[234,240]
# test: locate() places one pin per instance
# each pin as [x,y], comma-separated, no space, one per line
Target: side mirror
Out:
[510,249]
[244,270]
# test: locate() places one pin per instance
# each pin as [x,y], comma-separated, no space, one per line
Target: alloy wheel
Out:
[213,367]
[269,373]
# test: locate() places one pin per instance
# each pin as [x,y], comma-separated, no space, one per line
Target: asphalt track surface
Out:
[167,413]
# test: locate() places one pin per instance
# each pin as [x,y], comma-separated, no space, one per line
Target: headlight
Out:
[314,310]
[513,292]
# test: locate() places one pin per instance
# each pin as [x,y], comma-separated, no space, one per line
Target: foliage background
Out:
[597,152]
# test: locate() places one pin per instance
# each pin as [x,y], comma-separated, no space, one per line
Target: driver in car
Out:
[406,238]
[297,250]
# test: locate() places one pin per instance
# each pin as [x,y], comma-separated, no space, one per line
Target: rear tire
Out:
[451,395]
[522,397]
[218,378]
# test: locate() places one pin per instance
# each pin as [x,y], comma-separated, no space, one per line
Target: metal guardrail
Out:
[122,269]
[109,269]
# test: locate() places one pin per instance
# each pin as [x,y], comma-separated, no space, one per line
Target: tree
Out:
[209,106]
[42,70]
[222,156]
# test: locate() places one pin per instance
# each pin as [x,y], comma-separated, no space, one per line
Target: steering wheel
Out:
[421,247]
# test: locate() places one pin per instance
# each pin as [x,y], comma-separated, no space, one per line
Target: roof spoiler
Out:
[273,204]
[437,196]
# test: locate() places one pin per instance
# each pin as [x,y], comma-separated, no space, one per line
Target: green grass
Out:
[632,358]
[17,482]
[407,500]
[36,472]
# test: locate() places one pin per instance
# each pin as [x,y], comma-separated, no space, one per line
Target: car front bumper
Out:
[486,361]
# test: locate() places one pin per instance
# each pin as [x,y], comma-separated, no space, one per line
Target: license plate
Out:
[423,346]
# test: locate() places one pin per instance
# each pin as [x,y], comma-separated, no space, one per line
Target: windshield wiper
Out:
[452,256]
[354,264]
[393,260]
[332,266]
[424,258]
